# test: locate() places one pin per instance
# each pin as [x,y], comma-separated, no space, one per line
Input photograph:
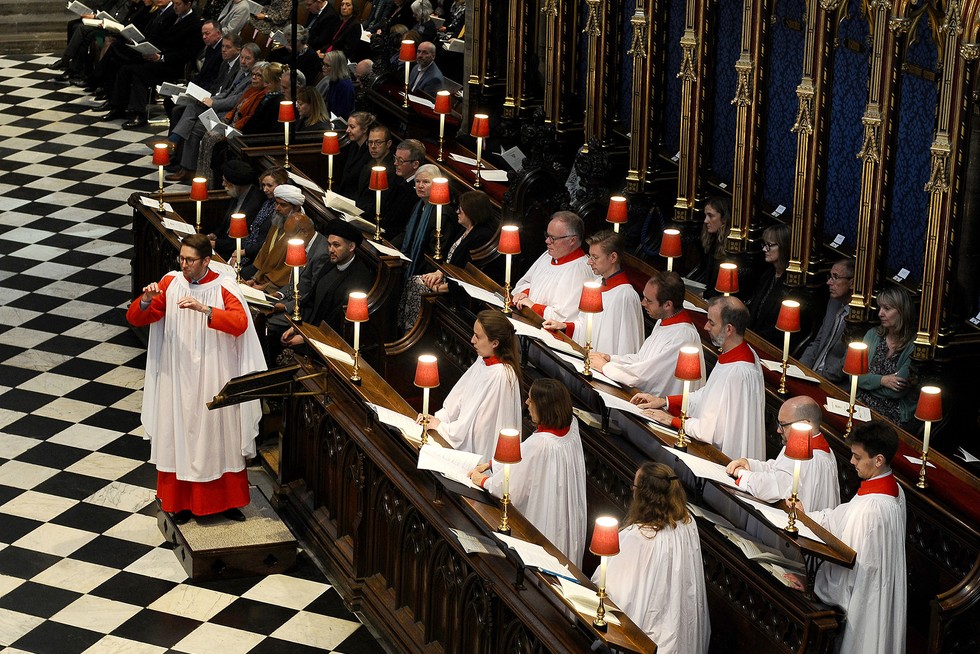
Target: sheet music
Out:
[514,157]
[792,370]
[613,402]
[255,295]
[154,203]
[492,175]
[461,159]
[144,48]
[306,183]
[586,601]
[452,464]
[422,101]
[710,516]
[365,36]
[479,293]
[704,469]
[577,363]
[210,119]
[132,33]
[916,461]
[690,306]
[196,91]
[388,251]
[92,22]
[535,556]
[405,424]
[178,226]
[473,544]
[80,9]
[170,89]
[455,45]
[332,352]
[839,407]
[779,518]
[341,203]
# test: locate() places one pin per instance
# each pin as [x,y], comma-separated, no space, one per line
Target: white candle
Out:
[925,440]
[442,126]
[507,270]
[377,202]
[602,571]
[198,215]
[588,328]
[670,263]
[796,476]
[854,388]
[438,217]
[425,401]
[286,126]
[330,169]
[785,346]
[406,81]
[357,336]
[687,390]
[296,282]
[161,176]
[506,478]
[479,155]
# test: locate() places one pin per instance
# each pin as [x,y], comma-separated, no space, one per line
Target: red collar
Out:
[209,276]
[882,485]
[554,430]
[572,256]
[612,282]
[678,318]
[741,352]
[818,442]
[491,361]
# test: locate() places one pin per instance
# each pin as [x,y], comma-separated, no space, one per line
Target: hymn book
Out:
[450,463]
[405,424]
[586,601]
[783,569]
[535,556]
[80,9]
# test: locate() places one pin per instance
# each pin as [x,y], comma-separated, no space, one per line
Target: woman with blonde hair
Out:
[658,576]
[887,388]
[335,85]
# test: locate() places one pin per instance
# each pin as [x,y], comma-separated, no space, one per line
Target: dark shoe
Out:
[138,122]
[101,96]
[78,82]
[64,77]
[114,114]
[179,176]
[183,517]
[105,106]
[234,514]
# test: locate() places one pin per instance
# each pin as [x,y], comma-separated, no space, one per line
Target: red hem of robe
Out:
[229,491]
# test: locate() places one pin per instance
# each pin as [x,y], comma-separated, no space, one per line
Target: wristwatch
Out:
[208,313]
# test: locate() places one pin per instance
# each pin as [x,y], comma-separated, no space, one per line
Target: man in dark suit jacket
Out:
[178,45]
[425,76]
[239,179]
[825,353]
[159,20]
[379,147]
[211,74]
[322,22]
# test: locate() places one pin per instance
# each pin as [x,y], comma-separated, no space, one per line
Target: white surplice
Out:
[651,369]
[186,365]
[728,411]
[618,328]
[873,592]
[486,399]
[557,284]
[772,480]
[548,488]
[658,580]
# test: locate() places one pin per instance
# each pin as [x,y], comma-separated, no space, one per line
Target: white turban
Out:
[291,194]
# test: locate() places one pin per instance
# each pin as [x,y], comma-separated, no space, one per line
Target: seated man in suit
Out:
[345,273]
[379,147]
[425,76]
[240,181]
[825,353]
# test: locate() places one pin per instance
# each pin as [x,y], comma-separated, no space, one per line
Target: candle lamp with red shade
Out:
[617,212]
[798,449]
[605,543]
[508,453]
[357,312]
[480,129]
[508,245]
[590,303]
[855,365]
[407,55]
[670,246]
[287,114]
[199,193]
[426,378]
[444,106]
[439,196]
[330,148]
[788,322]
[161,158]
[238,229]
[929,409]
[378,183]
[688,369]
[296,259]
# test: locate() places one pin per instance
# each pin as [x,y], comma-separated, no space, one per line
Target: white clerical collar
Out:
[344,266]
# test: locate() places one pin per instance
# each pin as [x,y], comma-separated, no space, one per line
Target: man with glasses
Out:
[772,480]
[552,286]
[651,369]
[619,328]
[825,353]
[201,335]
[398,206]
[379,147]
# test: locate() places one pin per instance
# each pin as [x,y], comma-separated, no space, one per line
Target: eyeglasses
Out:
[399,161]
[548,238]
[786,425]
[188,260]
[769,246]
[834,277]
[376,142]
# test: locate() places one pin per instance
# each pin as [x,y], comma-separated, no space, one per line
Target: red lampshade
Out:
[591,300]
[444,102]
[439,192]
[508,447]
[688,364]
[427,372]
[407,51]
[295,252]
[930,406]
[379,178]
[510,240]
[199,189]
[239,227]
[331,143]
[161,154]
[727,278]
[789,316]
[670,244]
[605,537]
[798,445]
[357,307]
[856,361]
[481,126]
[617,210]
[287,111]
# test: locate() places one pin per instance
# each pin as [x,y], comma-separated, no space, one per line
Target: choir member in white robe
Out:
[201,336]
[772,480]
[487,398]
[728,411]
[657,578]
[618,328]
[552,285]
[873,592]
[651,369]
[548,485]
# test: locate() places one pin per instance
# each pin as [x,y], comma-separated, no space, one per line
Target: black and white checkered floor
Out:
[83,567]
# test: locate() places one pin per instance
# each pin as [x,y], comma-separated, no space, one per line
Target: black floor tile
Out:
[38,599]
[69,484]
[54,637]
[40,427]
[249,615]
[112,552]
[156,628]
[53,455]
[91,517]
[24,564]
[13,527]
[133,588]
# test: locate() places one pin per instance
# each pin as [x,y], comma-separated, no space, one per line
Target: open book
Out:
[452,464]
[80,9]
[132,33]
[785,570]
[211,123]
[342,204]
[144,48]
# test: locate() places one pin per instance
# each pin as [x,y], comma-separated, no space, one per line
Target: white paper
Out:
[92,22]
[132,33]
[586,601]
[690,306]
[154,203]
[535,556]
[710,516]
[476,544]
[975,320]
[461,159]
[480,293]
[450,463]
[178,226]
[305,183]
[916,461]
[170,89]
[279,37]
[196,91]
[144,48]
[253,294]
[332,352]
[80,9]
[779,518]
[677,156]
[492,175]
[838,241]
[210,119]
[455,45]
[839,407]
[388,251]
[340,203]
[365,36]
[792,370]
[759,552]
[111,25]
[704,469]
[417,99]
[902,274]
[613,402]
[966,456]
[405,424]
[514,157]
[778,211]
[577,365]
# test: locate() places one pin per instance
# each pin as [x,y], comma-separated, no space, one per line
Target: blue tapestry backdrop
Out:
[726,50]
